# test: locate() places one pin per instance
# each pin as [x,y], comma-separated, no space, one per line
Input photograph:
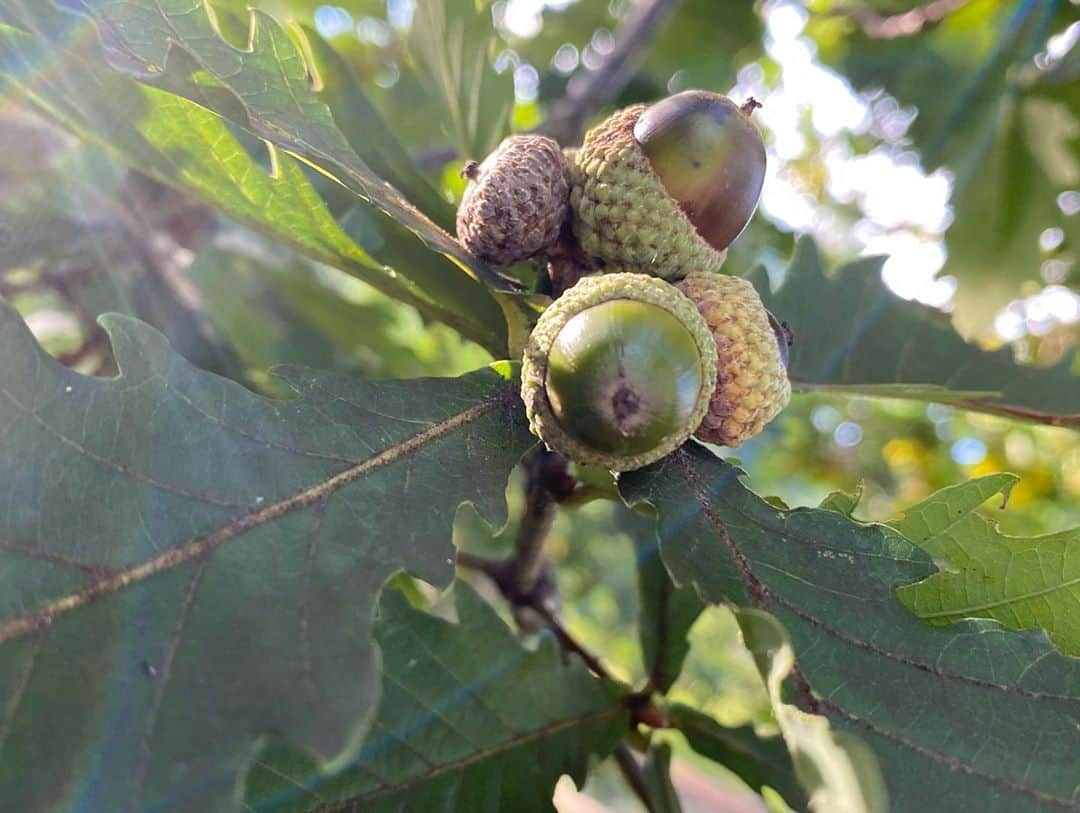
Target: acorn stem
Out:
[749,106]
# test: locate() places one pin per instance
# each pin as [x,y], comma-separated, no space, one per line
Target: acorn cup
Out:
[516,202]
[618,372]
[752,384]
[665,189]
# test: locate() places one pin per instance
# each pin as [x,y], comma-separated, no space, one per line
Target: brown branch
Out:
[547,480]
[893,26]
[589,91]
[569,643]
[539,602]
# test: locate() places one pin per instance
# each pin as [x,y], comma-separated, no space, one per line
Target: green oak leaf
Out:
[971,716]
[270,90]
[842,502]
[1008,200]
[469,720]
[366,130]
[187,568]
[662,794]
[1024,583]
[282,311]
[874,343]
[837,770]
[265,88]
[956,72]
[453,44]
[758,761]
[181,144]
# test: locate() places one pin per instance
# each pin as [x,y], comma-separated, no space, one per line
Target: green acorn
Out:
[664,190]
[618,372]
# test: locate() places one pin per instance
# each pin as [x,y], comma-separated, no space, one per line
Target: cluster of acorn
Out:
[654,343]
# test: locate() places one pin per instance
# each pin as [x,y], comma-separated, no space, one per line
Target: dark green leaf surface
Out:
[186,568]
[966,717]
[758,761]
[469,721]
[837,769]
[873,343]
[1022,583]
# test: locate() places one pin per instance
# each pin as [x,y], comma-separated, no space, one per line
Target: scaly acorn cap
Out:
[752,385]
[620,212]
[618,371]
[516,201]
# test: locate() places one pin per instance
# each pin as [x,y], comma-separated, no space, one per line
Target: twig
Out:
[539,602]
[569,643]
[893,26]
[633,775]
[546,482]
[589,91]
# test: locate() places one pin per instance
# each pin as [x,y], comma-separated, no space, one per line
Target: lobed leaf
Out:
[269,89]
[181,144]
[662,794]
[187,568]
[837,770]
[967,717]
[758,761]
[470,720]
[874,343]
[1021,583]
[667,612]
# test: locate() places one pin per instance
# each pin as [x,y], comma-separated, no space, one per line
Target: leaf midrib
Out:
[477,756]
[762,597]
[205,544]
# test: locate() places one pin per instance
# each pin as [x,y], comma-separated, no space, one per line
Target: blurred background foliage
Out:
[943,134]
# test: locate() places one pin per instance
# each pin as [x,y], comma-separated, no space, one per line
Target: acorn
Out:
[618,371]
[516,201]
[710,158]
[665,189]
[752,384]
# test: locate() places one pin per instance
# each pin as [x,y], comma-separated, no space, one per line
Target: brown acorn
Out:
[516,201]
